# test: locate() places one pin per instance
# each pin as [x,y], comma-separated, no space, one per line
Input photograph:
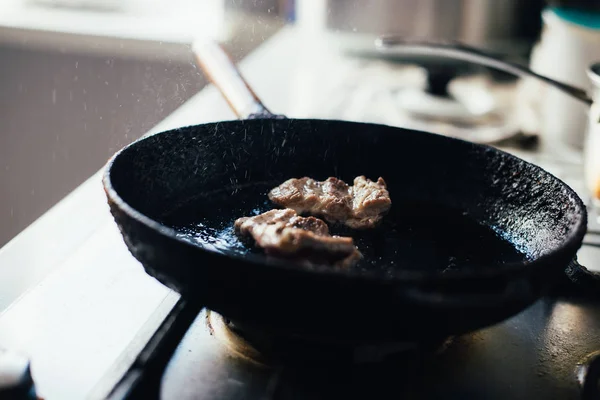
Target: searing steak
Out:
[360,206]
[284,233]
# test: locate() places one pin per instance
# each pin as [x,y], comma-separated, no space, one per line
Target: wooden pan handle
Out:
[222,72]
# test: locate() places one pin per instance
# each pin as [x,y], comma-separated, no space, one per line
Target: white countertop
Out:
[71,295]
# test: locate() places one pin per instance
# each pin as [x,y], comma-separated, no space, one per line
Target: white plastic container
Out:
[592,145]
[569,43]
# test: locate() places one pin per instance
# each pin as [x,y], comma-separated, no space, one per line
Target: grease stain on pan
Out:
[221,240]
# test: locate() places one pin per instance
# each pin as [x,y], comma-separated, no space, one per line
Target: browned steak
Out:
[284,233]
[360,206]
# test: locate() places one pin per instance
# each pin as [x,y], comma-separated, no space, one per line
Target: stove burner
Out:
[588,376]
[432,107]
[267,348]
[219,328]
[465,107]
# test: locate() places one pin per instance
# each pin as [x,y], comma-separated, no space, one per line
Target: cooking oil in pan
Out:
[411,236]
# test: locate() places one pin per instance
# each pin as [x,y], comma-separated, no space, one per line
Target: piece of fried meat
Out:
[286,234]
[360,206]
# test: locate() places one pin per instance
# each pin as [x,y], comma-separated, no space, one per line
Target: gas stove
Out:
[547,352]
[94,325]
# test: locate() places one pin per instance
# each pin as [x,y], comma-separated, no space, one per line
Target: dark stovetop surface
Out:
[533,355]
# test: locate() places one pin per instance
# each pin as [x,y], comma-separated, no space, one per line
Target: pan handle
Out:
[396,45]
[582,280]
[222,72]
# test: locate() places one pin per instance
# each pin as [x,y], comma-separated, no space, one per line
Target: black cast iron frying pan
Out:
[474,234]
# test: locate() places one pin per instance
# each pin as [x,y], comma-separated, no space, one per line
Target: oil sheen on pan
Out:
[414,236]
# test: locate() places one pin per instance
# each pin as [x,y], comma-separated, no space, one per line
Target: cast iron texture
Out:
[536,211]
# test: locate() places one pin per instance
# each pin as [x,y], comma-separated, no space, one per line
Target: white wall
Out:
[62,115]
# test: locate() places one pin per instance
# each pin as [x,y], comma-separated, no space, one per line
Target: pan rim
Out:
[571,244]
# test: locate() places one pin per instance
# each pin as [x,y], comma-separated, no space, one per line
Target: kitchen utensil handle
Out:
[396,45]
[222,72]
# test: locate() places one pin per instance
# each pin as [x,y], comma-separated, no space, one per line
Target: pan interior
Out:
[449,197]
[414,235]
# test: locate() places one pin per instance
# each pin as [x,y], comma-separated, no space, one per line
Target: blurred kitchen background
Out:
[81,78]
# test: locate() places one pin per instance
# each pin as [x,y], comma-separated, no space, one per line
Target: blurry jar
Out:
[569,43]
[592,144]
